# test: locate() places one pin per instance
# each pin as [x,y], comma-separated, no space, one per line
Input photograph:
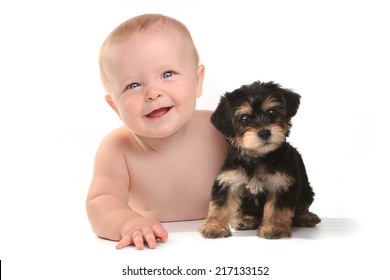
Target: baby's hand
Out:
[139,230]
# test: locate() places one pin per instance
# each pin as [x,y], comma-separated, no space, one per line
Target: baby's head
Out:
[150,69]
[139,24]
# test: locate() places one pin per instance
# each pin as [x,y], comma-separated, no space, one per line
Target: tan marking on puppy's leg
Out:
[217,221]
[216,224]
[276,222]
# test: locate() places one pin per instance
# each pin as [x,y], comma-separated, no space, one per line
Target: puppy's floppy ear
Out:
[291,101]
[222,117]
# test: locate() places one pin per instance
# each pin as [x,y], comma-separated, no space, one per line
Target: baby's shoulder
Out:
[202,118]
[206,128]
[118,139]
[203,114]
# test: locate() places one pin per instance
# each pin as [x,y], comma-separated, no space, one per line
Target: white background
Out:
[335,54]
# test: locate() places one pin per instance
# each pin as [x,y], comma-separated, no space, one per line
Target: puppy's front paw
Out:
[214,230]
[273,232]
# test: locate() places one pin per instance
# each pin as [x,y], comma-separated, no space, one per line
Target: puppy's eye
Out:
[271,112]
[244,119]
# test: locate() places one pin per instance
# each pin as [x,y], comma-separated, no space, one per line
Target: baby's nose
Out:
[153,94]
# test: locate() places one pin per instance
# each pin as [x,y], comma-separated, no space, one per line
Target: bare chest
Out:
[173,187]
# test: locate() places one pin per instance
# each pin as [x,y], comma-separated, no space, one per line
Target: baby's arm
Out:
[107,202]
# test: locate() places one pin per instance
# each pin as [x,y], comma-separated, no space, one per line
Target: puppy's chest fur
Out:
[258,175]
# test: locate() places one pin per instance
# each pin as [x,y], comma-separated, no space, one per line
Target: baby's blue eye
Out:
[133,85]
[167,74]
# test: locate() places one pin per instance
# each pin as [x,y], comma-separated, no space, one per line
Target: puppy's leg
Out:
[216,224]
[223,204]
[276,221]
[250,214]
[303,217]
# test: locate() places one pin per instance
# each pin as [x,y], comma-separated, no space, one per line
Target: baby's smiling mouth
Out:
[159,112]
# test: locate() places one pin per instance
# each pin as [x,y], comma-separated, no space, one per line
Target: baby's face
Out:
[155,81]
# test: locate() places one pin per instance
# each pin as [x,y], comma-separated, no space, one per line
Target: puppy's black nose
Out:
[264,134]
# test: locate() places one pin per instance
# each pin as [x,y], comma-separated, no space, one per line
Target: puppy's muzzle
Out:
[264,134]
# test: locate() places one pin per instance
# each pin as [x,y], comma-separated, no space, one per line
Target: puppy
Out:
[263,183]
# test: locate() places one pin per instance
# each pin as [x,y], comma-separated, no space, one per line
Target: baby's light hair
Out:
[135,25]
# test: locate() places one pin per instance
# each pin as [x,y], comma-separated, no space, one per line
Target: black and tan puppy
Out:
[263,183]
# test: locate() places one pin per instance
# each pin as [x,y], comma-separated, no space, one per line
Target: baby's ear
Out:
[291,101]
[199,80]
[112,104]
[222,118]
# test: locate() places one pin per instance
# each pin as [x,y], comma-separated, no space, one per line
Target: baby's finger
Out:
[160,232]
[150,238]
[124,242]
[138,240]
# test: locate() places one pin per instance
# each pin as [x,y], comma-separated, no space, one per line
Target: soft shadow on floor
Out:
[328,228]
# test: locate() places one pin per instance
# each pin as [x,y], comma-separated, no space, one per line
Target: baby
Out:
[161,164]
